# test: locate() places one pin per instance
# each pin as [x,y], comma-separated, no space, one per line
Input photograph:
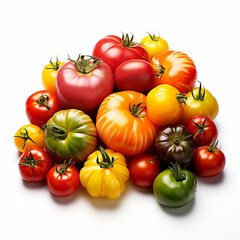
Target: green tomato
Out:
[70,134]
[174,187]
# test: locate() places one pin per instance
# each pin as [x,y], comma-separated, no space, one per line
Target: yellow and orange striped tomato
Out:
[104,174]
[123,124]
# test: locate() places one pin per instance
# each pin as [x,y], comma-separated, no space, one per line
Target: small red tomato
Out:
[63,179]
[144,169]
[41,106]
[137,75]
[208,160]
[203,130]
[34,164]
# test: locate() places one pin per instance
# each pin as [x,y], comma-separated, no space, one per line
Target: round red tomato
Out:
[176,69]
[63,179]
[143,169]
[84,83]
[114,50]
[137,75]
[203,130]
[208,160]
[41,106]
[34,164]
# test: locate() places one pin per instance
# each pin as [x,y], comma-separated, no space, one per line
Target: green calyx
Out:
[54,66]
[177,172]
[127,41]
[23,134]
[159,71]
[106,162]
[43,100]
[213,146]
[178,140]
[182,98]
[201,127]
[154,37]
[201,93]
[135,110]
[87,65]
[62,168]
[59,133]
[30,160]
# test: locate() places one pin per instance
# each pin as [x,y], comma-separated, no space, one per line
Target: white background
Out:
[34,31]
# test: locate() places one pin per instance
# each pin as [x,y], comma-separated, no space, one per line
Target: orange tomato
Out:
[28,136]
[165,105]
[123,124]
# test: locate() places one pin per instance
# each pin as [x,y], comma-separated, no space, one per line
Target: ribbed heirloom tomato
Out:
[123,124]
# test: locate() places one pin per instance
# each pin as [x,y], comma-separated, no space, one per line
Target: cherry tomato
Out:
[208,160]
[203,130]
[154,45]
[114,50]
[41,106]
[143,169]
[49,75]
[28,136]
[63,179]
[34,164]
[174,68]
[137,75]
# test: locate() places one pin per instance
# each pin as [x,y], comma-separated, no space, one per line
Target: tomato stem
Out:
[135,110]
[54,66]
[181,97]
[201,95]
[57,132]
[43,100]
[128,42]
[201,127]
[23,134]
[179,140]
[30,160]
[153,37]
[106,162]
[177,172]
[62,168]
[159,71]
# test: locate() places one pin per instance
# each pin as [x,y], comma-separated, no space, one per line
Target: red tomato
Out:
[144,169]
[41,106]
[114,50]
[137,75]
[208,160]
[84,83]
[203,130]
[176,69]
[34,164]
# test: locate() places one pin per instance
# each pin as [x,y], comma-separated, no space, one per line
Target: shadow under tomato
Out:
[211,180]
[143,190]
[34,185]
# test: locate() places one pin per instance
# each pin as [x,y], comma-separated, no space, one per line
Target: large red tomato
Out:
[84,83]
[115,50]
[176,69]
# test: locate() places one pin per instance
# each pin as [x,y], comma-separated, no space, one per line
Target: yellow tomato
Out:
[104,174]
[165,105]
[49,75]
[154,45]
[200,102]
[28,136]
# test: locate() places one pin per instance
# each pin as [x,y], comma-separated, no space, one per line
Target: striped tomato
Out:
[176,69]
[123,125]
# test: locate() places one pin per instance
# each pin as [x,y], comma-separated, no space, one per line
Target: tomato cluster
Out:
[131,110]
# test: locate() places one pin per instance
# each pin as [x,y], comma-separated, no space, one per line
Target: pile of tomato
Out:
[131,110]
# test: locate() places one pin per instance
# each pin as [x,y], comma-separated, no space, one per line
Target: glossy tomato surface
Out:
[175,68]
[137,75]
[83,91]
[114,50]
[123,124]
[41,106]
[144,168]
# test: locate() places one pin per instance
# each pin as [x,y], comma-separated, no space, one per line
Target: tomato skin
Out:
[28,136]
[154,45]
[163,106]
[178,70]
[137,75]
[63,185]
[38,113]
[207,163]
[49,77]
[144,168]
[122,131]
[111,50]
[205,133]
[38,172]
[83,91]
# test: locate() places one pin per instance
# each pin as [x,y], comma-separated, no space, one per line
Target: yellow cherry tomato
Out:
[200,102]
[104,174]
[165,105]
[28,136]
[154,45]
[49,75]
